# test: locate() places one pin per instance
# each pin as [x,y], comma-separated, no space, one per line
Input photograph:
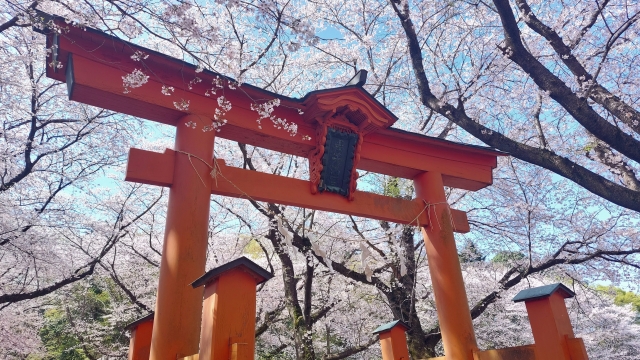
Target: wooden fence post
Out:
[550,323]
[229,310]
[393,340]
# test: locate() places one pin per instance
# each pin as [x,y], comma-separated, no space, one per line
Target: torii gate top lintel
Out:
[99,62]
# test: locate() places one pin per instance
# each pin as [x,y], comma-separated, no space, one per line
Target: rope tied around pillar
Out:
[189,155]
[427,207]
[215,171]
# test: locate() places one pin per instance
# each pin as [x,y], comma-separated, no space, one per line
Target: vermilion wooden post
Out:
[140,343]
[458,337]
[229,310]
[176,330]
[393,340]
[550,323]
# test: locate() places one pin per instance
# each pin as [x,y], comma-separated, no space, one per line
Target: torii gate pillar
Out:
[458,337]
[176,326]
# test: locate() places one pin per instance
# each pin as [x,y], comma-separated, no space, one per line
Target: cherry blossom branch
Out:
[585,29]
[536,119]
[560,165]
[301,323]
[615,163]
[269,318]
[268,47]
[351,351]
[132,297]
[357,230]
[120,231]
[515,50]
[14,20]
[595,91]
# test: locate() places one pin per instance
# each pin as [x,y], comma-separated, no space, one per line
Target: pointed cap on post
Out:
[134,324]
[391,325]
[543,292]
[261,275]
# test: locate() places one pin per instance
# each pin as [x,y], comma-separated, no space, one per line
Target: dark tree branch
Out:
[86,270]
[579,109]
[132,297]
[592,20]
[269,318]
[351,351]
[14,20]
[547,159]
[597,93]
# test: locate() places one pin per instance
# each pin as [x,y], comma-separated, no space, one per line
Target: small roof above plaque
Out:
[353,103]
[261,275]
[391,325]
[543,292]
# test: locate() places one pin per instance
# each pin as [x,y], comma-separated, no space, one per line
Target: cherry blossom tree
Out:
[60,215]
[549,82]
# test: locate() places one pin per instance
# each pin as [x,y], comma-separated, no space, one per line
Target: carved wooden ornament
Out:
[343,117]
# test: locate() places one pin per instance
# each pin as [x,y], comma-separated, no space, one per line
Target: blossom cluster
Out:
[139,55]
[182,105]
[217,85]
[265,111]
[134,80]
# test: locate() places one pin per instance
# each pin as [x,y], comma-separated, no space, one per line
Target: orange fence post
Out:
[458,337]
[176,329]
[393,340]
[140,343]
[229,310]
[239,351]
[550,323]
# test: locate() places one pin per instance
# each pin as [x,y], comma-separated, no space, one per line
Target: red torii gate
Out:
[93,64]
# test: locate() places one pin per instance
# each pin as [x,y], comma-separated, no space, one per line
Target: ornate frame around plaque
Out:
[333,162]
[348,110]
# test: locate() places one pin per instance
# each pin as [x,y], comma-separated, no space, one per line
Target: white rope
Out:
[189,155]
[448,207]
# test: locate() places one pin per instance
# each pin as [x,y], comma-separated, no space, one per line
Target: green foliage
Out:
[70,323]
[504,257]
[253,249]
[470,253]
[627,297]
[622,297]
[589,146]
[58,341]
[264,352]
[392,187]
